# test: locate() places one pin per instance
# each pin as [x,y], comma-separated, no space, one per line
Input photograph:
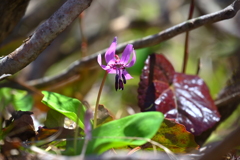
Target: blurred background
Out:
[216,45]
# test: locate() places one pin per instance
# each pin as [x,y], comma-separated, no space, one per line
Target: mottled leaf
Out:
[175,137]
[185,98]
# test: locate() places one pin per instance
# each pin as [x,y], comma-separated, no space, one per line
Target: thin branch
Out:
[90,61]
[227,144]
[43,36]
[185,59]
[198,66]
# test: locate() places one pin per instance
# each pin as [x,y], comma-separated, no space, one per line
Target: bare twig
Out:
[90,61]
[185,59]
[218,151]
[198,66]
[43,36]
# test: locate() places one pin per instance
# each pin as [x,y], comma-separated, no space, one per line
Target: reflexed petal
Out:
[127,75]
[99,59]
[132,61]
[110,53]
[126,54]
[105,67]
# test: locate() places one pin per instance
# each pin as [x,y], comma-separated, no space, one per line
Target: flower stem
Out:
[98,98]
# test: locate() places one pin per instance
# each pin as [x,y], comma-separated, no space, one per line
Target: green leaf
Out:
[54,119]
[70,107]
[5,96]
[115,133]
[20,99]
[175,137]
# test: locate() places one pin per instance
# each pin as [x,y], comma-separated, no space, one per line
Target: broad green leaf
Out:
[70,107]
[20,99]
[175,137]
[119,133]
[5,96]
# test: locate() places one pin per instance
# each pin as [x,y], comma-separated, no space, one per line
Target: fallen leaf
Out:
[20,125]
[175,137]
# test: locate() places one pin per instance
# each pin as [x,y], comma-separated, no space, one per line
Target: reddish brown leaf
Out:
[59,133]
[156,68]
[183,97]
[20,125]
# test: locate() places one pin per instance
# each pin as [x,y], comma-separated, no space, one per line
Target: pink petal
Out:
[110,53]
[112,62]
[111,71]
[105,67]
[127,75]
[99,59]
[132,61]
[126,54]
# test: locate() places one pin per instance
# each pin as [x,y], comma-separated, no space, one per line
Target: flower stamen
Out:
[116,82]
[124,79]
[121,84]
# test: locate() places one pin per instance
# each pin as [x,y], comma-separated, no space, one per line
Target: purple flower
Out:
[118,66]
